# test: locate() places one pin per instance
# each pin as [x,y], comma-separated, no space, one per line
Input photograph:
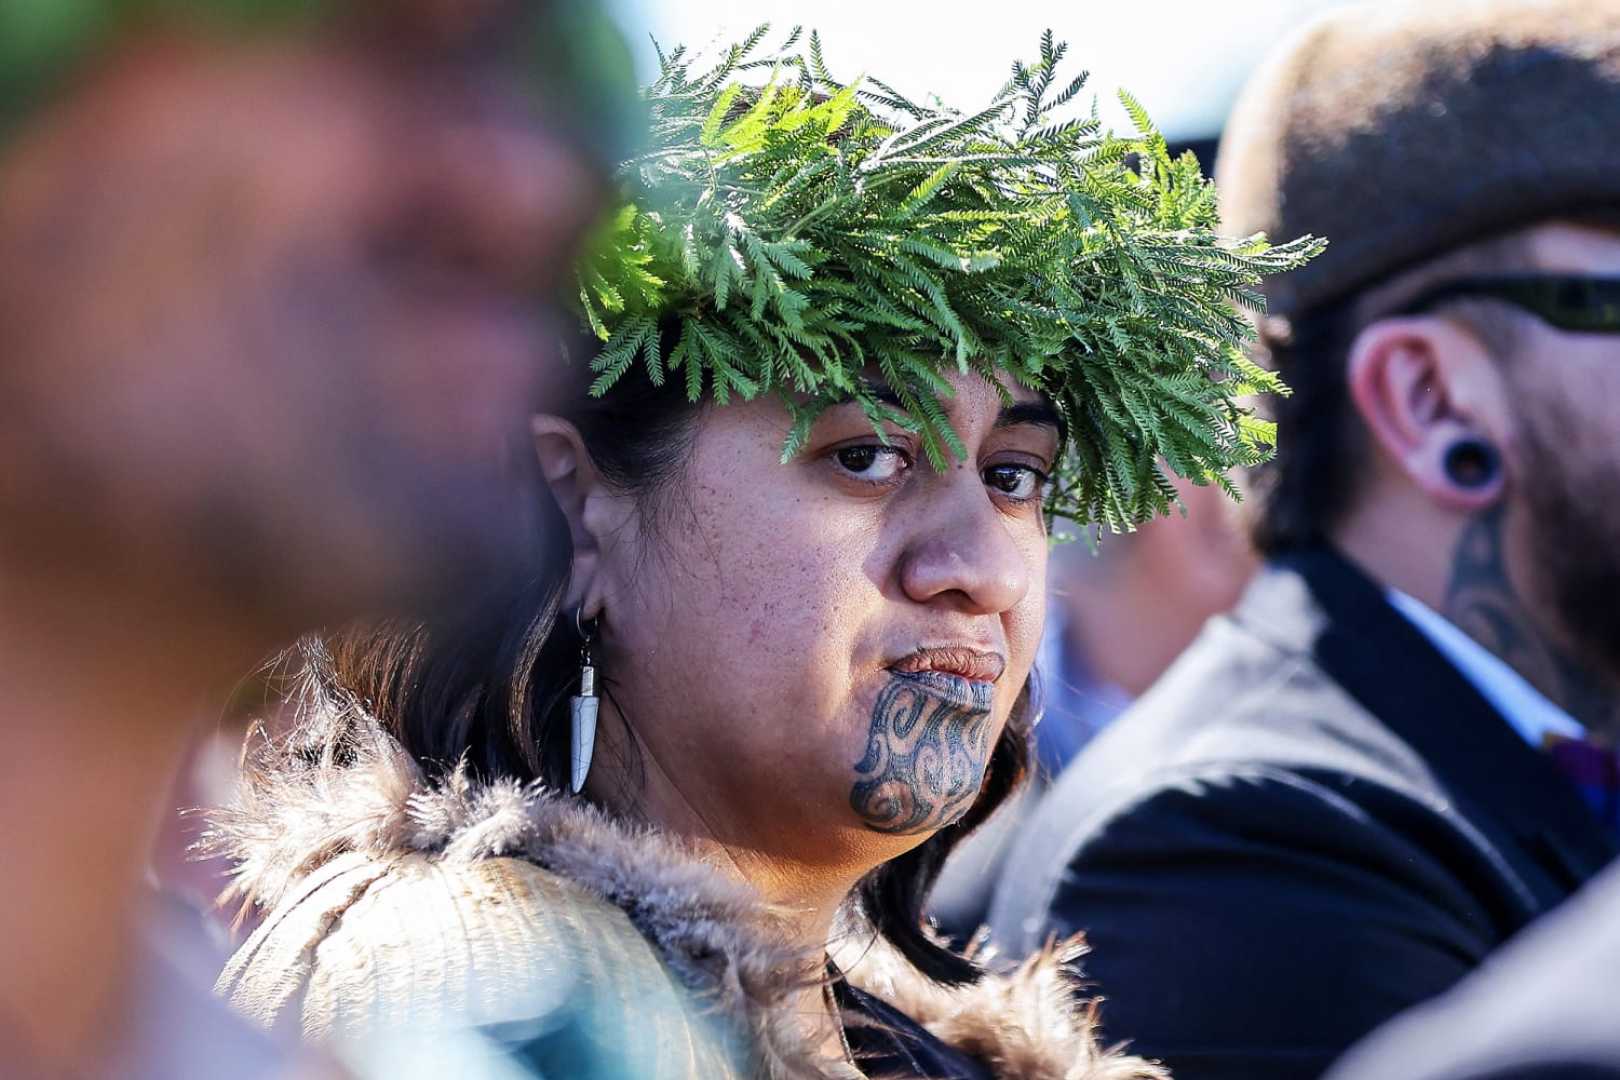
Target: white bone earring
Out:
[582,710]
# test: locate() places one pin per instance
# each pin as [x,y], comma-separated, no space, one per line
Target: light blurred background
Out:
[1184,59]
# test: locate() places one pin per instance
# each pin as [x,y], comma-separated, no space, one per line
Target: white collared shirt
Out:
[1532,714]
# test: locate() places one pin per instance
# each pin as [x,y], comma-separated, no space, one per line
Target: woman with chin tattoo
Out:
[674,808]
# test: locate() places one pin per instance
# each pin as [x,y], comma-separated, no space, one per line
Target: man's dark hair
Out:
[1322,444]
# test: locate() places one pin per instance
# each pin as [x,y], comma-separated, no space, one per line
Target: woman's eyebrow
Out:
[1041,412]
[883,394]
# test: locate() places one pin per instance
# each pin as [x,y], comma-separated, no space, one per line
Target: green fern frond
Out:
[806,235]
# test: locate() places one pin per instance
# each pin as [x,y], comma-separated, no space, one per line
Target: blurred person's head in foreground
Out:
[1129,608]
[274,291]
[274,285]
[1455,355]
[805,506]
[1120,612]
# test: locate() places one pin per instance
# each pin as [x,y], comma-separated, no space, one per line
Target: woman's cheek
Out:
[1028,620]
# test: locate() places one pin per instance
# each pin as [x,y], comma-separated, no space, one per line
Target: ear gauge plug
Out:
[1472,463]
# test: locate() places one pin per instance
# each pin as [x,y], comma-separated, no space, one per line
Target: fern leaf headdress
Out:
[789,233]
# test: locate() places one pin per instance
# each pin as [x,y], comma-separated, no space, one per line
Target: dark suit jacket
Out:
[1547,1006]
[1312,823]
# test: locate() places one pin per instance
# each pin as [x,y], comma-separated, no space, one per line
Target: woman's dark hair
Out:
[491,688]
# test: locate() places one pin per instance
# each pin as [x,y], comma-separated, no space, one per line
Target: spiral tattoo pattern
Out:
[925,758]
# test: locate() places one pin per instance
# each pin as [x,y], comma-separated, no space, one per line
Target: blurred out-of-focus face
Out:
[821,654]
[274,318]
[1133,606]
[1566,394]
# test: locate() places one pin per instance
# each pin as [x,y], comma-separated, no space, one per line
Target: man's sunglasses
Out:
[1582,305]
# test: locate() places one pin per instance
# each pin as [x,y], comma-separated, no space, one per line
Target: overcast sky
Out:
[1183,58]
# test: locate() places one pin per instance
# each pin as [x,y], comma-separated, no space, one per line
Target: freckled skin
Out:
[749,643]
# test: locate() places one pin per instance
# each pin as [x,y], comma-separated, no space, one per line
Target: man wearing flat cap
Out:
[1399,751]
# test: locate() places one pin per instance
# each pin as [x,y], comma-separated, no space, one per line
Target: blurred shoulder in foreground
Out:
[1545,1007]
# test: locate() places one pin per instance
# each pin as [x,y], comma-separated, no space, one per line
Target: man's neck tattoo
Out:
[925,758]
[1482,601]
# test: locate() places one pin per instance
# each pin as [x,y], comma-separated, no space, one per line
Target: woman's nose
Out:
[967,559]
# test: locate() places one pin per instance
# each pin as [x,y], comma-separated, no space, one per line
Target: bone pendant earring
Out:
[582,710]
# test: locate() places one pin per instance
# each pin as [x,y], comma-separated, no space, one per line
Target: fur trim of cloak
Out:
[733,953]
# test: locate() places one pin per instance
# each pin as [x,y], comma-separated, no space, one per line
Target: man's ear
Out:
[1424,387]
[580,494]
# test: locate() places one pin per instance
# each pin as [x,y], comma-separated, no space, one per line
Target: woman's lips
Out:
[969,663]
[964,677]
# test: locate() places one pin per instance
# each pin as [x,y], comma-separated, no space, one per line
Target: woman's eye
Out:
[875,464]
[1016,481]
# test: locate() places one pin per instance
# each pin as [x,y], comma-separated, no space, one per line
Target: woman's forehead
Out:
[1003,401]
[969,388]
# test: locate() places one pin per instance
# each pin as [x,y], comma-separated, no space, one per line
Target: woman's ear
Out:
[578,490]
[1431,395]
